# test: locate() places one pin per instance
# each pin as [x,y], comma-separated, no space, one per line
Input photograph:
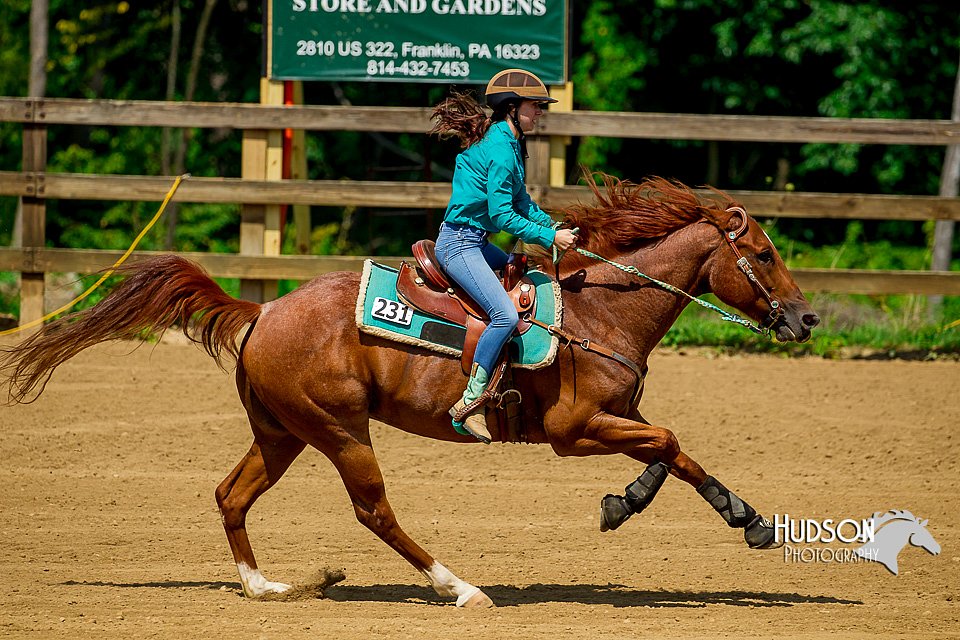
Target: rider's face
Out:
[527,114]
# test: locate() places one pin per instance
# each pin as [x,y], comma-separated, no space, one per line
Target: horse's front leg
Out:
[659,448]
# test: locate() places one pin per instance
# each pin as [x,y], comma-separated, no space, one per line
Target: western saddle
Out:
[426,287]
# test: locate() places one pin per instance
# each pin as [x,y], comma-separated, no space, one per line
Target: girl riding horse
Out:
[488,196]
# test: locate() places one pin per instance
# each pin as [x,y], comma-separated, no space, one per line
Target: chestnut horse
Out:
[307,376]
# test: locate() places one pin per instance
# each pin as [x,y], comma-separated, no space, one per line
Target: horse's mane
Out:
[626,214]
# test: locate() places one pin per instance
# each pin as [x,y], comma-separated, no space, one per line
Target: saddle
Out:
[425,287]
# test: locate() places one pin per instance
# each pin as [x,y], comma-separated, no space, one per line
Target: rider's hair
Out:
[462,116]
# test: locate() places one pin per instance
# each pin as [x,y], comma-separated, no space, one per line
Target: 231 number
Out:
[392,311]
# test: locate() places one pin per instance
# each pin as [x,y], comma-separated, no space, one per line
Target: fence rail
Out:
[417,120]
[307,267]
[259,123]
[761,204]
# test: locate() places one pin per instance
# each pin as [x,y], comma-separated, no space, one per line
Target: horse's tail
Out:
[156,294]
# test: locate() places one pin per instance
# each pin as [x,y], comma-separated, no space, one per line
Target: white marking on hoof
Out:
[447,584]
[255,585]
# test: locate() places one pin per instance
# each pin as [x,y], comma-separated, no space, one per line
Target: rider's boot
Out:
[474,423]
[758,532]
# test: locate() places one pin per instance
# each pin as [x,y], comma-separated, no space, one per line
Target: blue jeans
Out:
[469,259]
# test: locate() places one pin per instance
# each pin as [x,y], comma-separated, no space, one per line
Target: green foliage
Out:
[9,293]
[773,57]
[606,72]
[883,326]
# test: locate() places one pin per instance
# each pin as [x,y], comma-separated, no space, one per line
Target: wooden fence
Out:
[261,124]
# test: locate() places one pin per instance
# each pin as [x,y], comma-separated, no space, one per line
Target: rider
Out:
[489,196]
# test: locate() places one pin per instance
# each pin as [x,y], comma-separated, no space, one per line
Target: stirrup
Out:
[473,423]
[460,411]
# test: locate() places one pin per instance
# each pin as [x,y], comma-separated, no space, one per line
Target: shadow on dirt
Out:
[616,595]
[170,584]
[591,594]
[312,589]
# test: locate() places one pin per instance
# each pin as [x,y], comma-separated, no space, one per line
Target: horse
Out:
[892,531]
[307,376]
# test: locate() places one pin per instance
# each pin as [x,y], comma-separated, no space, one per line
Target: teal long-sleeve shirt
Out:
[489,192]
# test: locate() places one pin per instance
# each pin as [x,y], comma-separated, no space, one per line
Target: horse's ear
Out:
[737,220]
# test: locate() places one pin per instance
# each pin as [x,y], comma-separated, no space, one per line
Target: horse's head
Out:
[739,264]
[746,272]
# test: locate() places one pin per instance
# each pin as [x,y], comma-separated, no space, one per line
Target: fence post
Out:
[260,223]
[298,171]
[538,166]
[34,215]
[547,164]
[558,144]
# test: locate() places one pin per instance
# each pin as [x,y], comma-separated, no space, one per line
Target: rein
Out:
[724,314]
[743,264]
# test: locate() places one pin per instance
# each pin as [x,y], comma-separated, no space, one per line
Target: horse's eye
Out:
[765,256]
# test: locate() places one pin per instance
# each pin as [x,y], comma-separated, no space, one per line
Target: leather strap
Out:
[488,394]
[588,345]
[512,429]
[776,310]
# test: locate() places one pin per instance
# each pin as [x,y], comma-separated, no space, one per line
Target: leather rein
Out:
[763,328]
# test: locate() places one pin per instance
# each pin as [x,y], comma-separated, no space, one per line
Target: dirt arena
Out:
[110,529]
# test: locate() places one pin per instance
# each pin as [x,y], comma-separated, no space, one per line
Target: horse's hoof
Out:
[614,511]
[479,600]
[266,589]
[760,534]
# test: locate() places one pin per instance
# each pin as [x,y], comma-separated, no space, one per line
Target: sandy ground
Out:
[110,529]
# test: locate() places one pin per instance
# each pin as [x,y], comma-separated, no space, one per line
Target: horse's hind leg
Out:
[262,466]
[358,467]
[659,448]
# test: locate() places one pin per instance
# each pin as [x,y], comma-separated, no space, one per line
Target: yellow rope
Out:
[109,272]
[953,324]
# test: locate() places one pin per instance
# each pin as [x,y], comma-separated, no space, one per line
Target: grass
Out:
[878,326]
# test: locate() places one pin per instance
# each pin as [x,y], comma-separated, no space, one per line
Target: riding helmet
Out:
[515,85]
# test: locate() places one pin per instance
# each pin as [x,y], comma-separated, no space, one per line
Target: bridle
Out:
[762,328]
[776,309]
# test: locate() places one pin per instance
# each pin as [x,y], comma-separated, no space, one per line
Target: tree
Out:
[949,183]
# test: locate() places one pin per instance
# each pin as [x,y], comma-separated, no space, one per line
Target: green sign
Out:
[461,41]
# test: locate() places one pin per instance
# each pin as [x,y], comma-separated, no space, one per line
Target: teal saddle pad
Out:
[380,313]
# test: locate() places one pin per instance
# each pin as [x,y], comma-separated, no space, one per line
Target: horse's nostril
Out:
[811,320]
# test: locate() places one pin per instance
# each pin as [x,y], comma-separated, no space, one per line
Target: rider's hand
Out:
[565,239]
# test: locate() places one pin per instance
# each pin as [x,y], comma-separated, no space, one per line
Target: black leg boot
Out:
[614,510]
[758,532]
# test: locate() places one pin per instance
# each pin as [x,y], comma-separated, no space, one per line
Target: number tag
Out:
[392,311]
